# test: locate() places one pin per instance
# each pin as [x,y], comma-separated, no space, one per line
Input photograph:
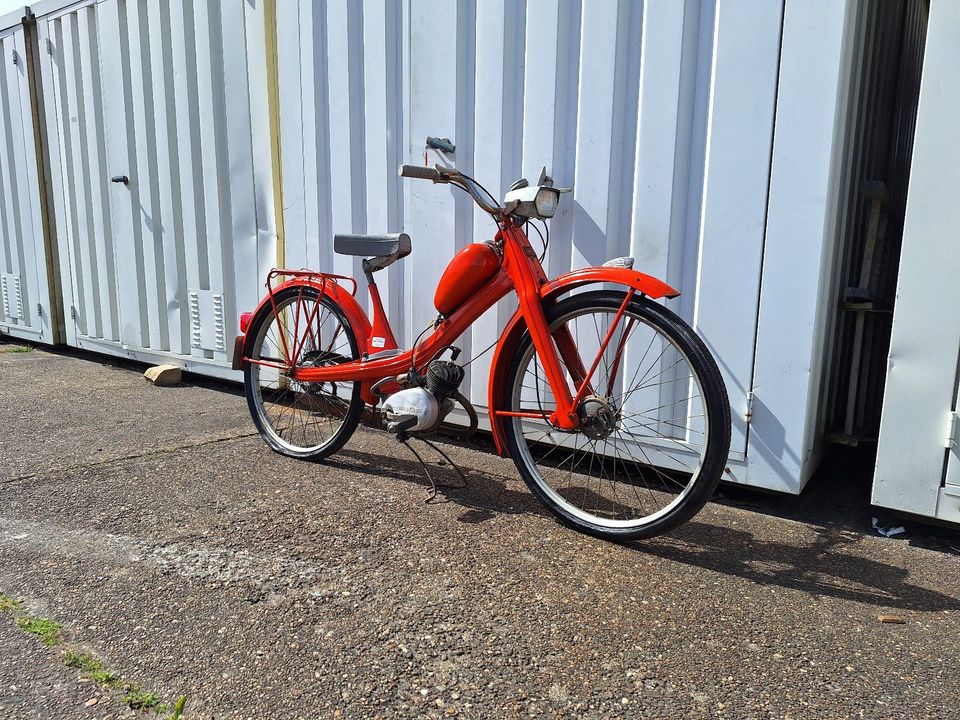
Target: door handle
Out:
[120,179]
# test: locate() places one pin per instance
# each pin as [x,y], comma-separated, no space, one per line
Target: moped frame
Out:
[520,271]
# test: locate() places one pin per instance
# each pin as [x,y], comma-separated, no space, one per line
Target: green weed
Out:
[47,630]
[9,604]
[178,708]
[91,668]
[15,349]
[142,700]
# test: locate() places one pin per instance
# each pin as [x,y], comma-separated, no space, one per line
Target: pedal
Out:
[402,423]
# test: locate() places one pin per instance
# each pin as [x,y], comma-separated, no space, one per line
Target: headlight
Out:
[539,201]
[546,201]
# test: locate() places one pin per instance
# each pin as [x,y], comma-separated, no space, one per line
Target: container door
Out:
[170,235]
[25,310]
[82,185]
[918,465]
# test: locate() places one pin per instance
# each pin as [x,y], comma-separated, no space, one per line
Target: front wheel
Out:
[654,429]
[301,328]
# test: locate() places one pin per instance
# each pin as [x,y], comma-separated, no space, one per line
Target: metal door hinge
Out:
[16,58]
[952,441]
[49,46]
[748,415]
[73,313]
[40,309]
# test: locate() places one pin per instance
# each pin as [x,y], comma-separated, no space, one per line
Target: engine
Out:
[423,408]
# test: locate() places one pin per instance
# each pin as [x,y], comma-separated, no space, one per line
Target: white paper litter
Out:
[888,532]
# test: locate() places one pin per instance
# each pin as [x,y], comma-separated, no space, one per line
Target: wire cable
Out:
[542,241]
[416,346]
[546,244]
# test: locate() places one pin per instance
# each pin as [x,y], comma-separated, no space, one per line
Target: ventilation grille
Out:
[207,322]
[12,296]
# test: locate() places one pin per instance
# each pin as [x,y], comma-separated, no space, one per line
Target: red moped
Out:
[609,404]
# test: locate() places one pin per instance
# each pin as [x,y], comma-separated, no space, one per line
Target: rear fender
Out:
[549,293]
[354,314]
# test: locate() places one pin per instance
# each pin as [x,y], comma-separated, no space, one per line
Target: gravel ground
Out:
[173,545]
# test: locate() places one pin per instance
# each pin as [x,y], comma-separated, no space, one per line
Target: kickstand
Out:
[404,439]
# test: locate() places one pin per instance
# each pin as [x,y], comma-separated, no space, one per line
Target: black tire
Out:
[342,404]
[716,425]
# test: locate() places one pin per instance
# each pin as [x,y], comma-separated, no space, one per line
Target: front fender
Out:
[549,292]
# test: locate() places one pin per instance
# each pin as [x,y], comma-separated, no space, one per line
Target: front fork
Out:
[558,345]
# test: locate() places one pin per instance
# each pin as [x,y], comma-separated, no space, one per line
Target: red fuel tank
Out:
[466,273]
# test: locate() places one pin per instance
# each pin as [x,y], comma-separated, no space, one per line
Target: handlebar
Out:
[440,174]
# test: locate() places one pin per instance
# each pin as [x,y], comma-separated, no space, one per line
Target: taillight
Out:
[245,321]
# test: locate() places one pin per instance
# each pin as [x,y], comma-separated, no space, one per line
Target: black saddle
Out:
[379,250]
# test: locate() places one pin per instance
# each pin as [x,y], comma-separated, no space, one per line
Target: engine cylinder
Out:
[465,275]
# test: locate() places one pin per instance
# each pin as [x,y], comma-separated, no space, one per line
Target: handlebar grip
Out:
[420,172]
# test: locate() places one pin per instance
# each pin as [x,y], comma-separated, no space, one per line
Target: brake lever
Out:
[447,172]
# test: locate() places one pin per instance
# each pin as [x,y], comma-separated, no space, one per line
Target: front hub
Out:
[598,418]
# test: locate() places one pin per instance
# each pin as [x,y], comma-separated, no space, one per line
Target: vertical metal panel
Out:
[160,93]
[25,309]
[734,206]
[382,144]
[494,151]
[260,73]
[441,102]
[921,387]
[798,249]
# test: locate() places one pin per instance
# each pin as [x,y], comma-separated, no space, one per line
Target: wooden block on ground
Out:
[163,375]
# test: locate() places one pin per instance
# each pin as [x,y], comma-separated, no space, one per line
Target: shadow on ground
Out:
[824,567]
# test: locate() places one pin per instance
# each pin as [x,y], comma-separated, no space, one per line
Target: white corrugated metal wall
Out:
[167,96]
[659,114]
[26,306]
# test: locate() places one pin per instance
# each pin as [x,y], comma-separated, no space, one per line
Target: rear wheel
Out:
[653,434]
[299,419]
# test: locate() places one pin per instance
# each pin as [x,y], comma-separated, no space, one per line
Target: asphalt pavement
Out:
[171,545]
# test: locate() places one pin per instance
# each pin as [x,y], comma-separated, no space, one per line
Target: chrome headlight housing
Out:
[537,201]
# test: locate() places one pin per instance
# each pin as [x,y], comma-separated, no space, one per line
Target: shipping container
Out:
[701,138]
[918,454]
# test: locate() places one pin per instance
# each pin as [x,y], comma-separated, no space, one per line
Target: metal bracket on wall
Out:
[952,441]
